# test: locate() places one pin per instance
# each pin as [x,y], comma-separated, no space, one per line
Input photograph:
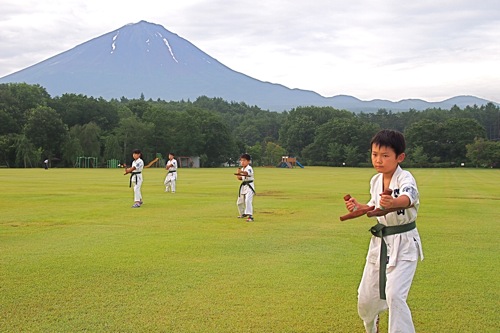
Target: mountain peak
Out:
[145,58]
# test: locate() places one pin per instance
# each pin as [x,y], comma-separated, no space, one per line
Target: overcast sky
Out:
[387,49]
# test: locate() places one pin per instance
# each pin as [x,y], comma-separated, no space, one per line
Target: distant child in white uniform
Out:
[171,177]
[135,172]
[395,245]
[247,188]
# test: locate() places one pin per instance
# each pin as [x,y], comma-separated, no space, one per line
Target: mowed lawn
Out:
[74,257]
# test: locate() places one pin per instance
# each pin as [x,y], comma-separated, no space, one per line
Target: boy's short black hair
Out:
[246,157]
[390,138]
[172,154]
[136,151]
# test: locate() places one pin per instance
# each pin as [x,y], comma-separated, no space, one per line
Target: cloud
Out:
[378,49]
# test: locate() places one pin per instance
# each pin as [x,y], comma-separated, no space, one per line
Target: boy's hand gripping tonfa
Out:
[369,211]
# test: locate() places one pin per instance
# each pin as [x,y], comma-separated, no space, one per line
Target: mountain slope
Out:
[145,58]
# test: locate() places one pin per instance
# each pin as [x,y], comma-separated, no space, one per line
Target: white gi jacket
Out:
[404,246]
[136,175]
[246,188]
[172,171]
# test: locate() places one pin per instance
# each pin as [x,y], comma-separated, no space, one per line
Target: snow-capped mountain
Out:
[145,58]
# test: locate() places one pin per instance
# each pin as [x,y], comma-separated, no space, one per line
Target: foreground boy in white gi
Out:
[171,177]
[136,177]
[395,245]
[247,188]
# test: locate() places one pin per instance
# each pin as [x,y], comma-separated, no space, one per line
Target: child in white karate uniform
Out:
[135,172]
[171,177]
[247,188]
[395,245]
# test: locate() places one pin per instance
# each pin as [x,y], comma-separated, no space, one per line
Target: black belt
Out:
[132,174]
[246,182]
[172,171]
[380,230]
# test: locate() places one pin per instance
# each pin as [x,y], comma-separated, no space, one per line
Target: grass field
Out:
[74,257]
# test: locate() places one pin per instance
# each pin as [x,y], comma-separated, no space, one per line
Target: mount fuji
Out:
[145,58]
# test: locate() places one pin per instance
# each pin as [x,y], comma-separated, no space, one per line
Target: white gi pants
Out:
[244,203]
[170,181]
[399,279]
[137,181]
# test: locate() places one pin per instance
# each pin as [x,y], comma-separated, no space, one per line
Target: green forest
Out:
[35,126]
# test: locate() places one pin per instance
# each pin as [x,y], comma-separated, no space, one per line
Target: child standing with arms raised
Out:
[247,188]
[136,177]
[395,245]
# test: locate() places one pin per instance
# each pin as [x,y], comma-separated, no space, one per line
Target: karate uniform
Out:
[246,192]
[136,178]
[403,250]
[171,177]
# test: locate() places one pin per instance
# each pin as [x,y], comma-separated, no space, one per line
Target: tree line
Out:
[35,126]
